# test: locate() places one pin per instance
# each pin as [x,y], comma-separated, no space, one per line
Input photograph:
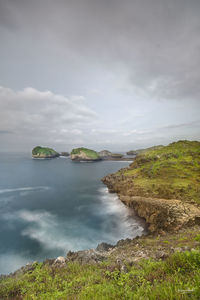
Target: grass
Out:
[168,172]
[90,153]
[43,151]
[178,277]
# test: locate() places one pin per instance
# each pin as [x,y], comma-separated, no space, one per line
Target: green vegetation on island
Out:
[44,152]
[84,154]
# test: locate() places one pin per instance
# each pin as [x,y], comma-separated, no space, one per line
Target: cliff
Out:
[44,152]
[162,185]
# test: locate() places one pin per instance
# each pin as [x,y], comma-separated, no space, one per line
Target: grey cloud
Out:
[125,58]
[157,42]
[6,132]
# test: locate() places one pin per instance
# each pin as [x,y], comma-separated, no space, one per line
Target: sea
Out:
[51,206]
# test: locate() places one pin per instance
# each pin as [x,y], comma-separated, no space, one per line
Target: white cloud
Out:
[42,115]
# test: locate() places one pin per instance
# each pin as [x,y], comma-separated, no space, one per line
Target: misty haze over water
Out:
[48,207]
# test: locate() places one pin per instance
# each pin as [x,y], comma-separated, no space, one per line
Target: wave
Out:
[126,224]
[24,189]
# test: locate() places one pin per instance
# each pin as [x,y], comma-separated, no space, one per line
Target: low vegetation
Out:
[177,277]
[168,172]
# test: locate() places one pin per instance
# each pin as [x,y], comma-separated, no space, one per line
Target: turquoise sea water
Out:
[48,207]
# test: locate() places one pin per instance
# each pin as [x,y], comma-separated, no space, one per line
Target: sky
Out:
[104,74]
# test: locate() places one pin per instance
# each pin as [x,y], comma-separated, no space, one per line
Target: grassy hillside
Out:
[138,151]
[168,172]
[90,153]
[176,277]
[44,151]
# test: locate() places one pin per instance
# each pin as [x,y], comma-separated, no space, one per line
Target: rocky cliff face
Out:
[160,214]
[157,186]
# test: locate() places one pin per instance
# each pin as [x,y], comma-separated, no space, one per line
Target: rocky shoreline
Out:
[166,202]
[159,214]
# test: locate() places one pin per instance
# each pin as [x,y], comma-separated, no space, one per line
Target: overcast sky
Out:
[106,74]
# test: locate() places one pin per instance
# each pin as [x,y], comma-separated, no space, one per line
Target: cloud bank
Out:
[135,64]
[42,116]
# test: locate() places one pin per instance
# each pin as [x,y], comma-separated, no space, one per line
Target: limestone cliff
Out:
[162,185]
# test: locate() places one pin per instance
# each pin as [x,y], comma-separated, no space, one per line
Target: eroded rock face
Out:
[163,214]
[160,214]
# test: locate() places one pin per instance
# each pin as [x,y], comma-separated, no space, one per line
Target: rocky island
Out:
[84,154]
[44,152]
[66,154]
[107,155]
[104,154]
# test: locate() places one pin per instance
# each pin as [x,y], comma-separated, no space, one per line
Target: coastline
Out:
[172,237]
[160,214]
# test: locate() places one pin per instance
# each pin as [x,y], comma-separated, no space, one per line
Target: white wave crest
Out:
[24,189]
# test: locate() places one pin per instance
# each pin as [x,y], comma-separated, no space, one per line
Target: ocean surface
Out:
[48,207]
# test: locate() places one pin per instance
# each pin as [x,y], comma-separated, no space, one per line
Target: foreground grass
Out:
[168,172]
[178,277]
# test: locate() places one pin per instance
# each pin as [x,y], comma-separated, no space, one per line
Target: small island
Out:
[104,154]
[64,154]
[84,154]
[44,152]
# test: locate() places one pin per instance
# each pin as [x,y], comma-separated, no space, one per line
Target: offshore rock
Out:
[105,154]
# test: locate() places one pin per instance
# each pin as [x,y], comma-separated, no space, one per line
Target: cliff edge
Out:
[162,185]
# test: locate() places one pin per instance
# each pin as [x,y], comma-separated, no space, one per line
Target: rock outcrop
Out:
[105,154]
[84,154]
[44,152]
[64,154]
[157,186]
